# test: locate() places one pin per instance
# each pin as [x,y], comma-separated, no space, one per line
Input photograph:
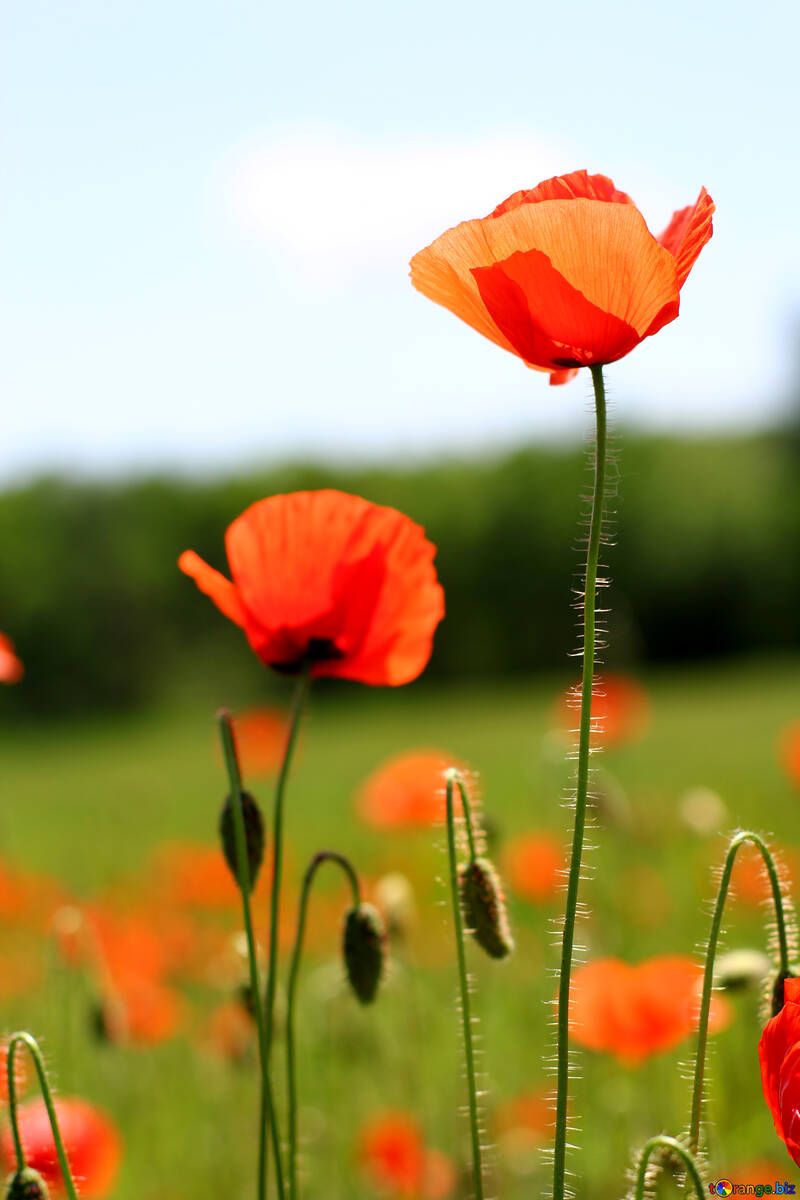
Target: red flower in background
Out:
[11,669]
[331,582]
[260,740]
[533,866]
[635,1011]
[620,710]
[565,275]
[91,1140]
[779,1055]
[394,1157]
[407,791]
[790,752]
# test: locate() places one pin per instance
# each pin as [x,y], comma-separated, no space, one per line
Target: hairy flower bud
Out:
[253,832]
[364,950]
[484,907]
[26,1184]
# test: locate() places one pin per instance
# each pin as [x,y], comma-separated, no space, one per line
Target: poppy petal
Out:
[779,1036]
[688,232]
[214,585]
[578,184]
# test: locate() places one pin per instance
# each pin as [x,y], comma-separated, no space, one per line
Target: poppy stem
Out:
[267,1107]
[25,1039]
[581,789]
[784,969]
[291,1077]
[662,1141]
[453,777]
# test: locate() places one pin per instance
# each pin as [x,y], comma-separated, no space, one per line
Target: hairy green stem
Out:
[267,1107]
[30,1043]
[581,790]
[291,1075]
[736,842]
[662,1141]
[454,777]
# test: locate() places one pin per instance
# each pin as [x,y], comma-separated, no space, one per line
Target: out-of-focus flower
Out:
[703,811]
[230,1031]
[789,747]
[11,669]
[750,883]
[533,866]
[394,896]
[396,1161]
[620,710]
[565,275]
[525,1122]
[740,969]
[328,582]
[634,1011]
[407,791]
[91,1140]
[779,1055]
[193,876]
[260,740]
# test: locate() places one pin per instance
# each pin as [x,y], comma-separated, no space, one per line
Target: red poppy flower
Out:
[330,582]
[635,1011]
[260,740]
[11,669]
[91,1140]
[393,1154]
[790,752]
[407,792]
[565,275]
[533,866]
[779,1055]
[620,710]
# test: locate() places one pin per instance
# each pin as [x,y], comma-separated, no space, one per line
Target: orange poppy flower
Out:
[11,669]
[620,710]
[790,752]
[396,1161]
[634,1011]
[91,1140]
[566,275]
[260,740]
[331,582]
[779,1055]
[407,791]
[533,866]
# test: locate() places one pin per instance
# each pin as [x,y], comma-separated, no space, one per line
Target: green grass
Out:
[89,802]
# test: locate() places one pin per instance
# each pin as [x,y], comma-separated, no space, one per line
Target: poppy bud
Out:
[253,833]
[364,942]
[484,907]
[26,1184]
[741,969]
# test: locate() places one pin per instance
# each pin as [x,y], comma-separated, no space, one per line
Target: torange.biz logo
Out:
[724,1187]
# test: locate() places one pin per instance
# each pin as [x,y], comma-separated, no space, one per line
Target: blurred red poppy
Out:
[565,275]
[790,752]
[396,1161]
[533,866]
[11,669]
[634,1011]
[407,791]
[526,1121]
[91,1140]
[260,740]
[620,710]
[779,1055]
[331,583]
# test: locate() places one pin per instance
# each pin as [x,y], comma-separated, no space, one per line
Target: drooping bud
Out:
[364,950]
[484,907]
[253,832]
[26,1184]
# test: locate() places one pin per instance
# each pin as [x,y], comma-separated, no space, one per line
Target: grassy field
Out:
[90,803]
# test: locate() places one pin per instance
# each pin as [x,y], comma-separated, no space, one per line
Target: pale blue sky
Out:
[209,209]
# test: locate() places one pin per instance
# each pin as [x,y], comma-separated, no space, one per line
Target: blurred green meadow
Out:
[89,801]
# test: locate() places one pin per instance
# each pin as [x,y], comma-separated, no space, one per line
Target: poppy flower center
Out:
[316,650]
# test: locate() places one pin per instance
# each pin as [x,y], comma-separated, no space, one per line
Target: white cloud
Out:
[334,205]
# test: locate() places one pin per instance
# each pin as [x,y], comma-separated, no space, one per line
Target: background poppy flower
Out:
[790,752]
[407,791]
[779,1055]
[91,1140]
[394,1157]
[620,710]
[565,275]
[533,866]
[331,582]
[11,669]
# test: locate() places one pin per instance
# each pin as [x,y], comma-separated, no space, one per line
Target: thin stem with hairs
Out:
[453,777]
[291,1074]
[32,1046]
[663,1142]
[267,1107]
[581,789]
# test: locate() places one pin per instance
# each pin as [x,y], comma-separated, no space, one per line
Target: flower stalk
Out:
[453,777]
[663,1142]
[582,787]
[267,1107]
[291,1074]
[30,1043]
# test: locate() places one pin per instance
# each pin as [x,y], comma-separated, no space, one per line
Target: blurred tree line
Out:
[707,564]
